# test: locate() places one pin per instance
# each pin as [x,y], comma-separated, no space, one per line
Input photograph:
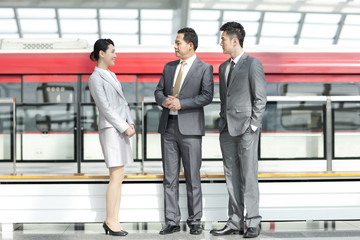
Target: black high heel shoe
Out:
[121,233]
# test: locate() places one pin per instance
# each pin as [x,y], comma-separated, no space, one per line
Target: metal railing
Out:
[325,100]
[12,103]
[327,130]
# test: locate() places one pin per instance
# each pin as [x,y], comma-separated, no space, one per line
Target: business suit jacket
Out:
[109,98]
[197,91]
[114,118]
[243,101]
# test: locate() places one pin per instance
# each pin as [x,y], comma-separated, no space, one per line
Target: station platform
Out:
[308,230]
[55,205]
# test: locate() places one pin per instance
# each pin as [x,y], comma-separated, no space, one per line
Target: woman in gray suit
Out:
[115,128]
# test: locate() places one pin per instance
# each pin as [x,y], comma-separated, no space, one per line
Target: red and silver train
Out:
[57,118]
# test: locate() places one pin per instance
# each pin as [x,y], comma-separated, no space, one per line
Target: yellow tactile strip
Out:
[160,176]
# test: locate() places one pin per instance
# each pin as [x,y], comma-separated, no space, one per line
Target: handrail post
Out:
[14,135]
[142,135]
[329,135]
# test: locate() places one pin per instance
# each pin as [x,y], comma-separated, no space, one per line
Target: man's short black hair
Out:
[190,36]
[234,29]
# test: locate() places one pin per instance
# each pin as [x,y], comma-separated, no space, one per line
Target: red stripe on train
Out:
[50,78]
[10,78]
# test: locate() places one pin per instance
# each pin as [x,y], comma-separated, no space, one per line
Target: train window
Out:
[55,93]
[49,88]
[319,89]
[302,116]
[346,117]
[10,87]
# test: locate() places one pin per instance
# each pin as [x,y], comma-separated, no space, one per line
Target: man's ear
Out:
[236,41]
[192,45]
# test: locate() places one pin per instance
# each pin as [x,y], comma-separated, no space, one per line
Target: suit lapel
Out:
[238,65]
[111,81]
[222,70]
[190,73]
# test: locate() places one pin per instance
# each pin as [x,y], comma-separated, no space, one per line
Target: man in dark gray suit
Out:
[185,87]
[243,100]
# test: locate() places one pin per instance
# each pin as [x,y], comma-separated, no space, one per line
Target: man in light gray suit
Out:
[185,87]
[243,101]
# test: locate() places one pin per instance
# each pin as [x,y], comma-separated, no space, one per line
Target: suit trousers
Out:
[175,146]
[240,158]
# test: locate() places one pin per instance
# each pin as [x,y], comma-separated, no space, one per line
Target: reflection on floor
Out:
[314,230]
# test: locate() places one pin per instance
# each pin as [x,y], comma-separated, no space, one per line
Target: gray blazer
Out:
[196,92]
[114,111]
[243,102]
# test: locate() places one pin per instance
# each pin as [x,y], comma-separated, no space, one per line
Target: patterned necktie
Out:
[229,75]
[178,79]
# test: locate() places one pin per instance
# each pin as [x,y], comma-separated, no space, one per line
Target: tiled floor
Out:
[318,230]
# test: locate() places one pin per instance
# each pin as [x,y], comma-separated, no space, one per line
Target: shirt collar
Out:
[237,58]
[190,60]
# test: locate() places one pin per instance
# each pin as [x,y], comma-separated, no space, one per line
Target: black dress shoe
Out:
[252,232]
[224,231]
[195,230]
[169,229]
[121,233]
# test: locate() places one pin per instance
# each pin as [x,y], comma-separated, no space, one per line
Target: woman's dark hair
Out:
[101,44]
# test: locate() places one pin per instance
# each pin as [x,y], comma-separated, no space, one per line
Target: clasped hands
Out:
[130,131]
[172,103]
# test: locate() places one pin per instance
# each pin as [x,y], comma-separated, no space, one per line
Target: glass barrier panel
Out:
[346,117]
[210,142]
[293,130]
[5,131]
[152,113]
[47,132]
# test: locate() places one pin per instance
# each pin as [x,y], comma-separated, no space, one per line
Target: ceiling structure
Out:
[325,6]
[155,22]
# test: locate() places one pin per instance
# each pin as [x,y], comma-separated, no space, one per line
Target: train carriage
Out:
[57,118]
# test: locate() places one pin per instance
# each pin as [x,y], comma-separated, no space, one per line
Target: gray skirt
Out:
[115,147]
